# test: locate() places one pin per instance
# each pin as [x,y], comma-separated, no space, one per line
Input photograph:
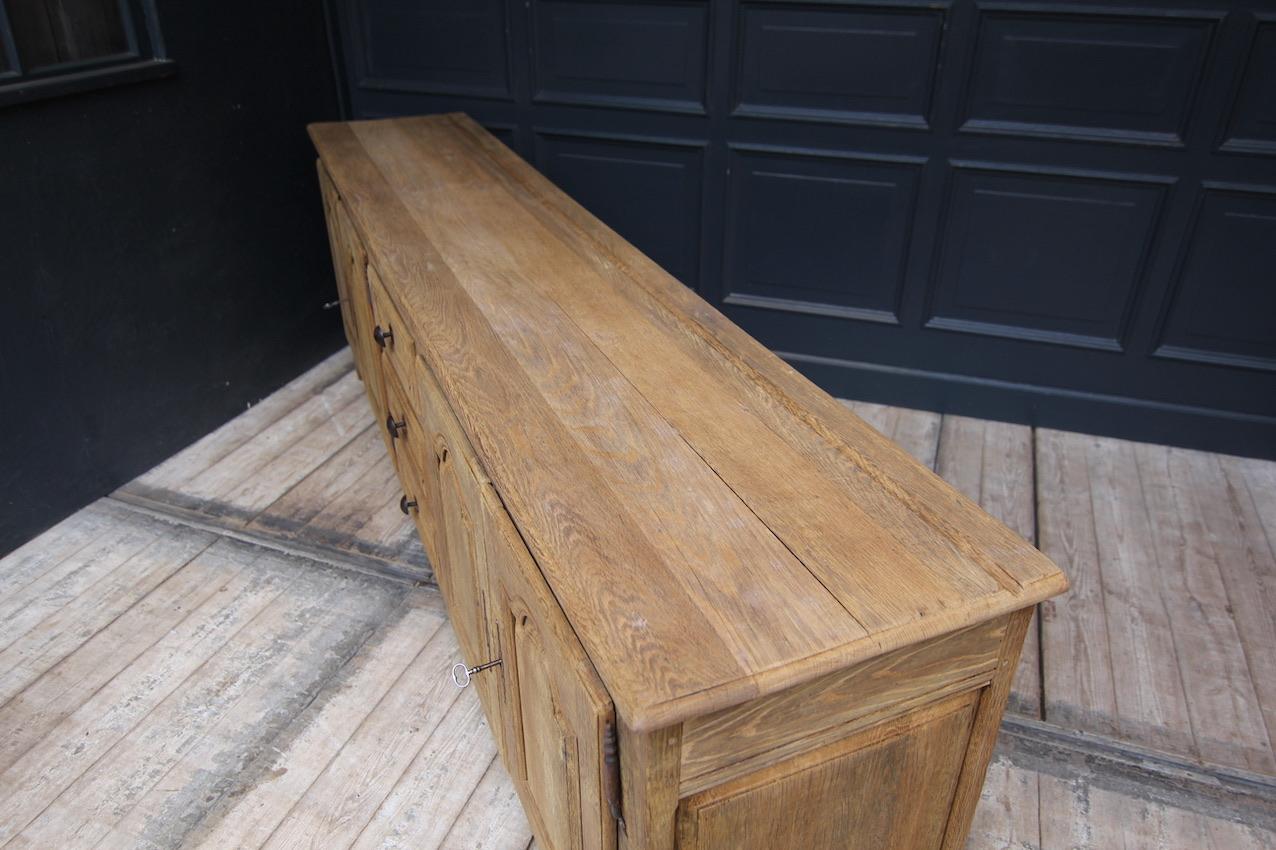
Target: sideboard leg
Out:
[983,737]
[650,769]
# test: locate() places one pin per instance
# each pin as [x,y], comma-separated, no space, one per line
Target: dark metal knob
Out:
[406,505]
[382,337]
[394,427]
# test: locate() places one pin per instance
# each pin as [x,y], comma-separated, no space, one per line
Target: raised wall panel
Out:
[852,64]
[432,46]
[1110,77]
[1224,300]
[648,191]
[1252,128]
[1049,257]
[631,55]
[819,234]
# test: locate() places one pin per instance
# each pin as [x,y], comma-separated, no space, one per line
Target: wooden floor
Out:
[242,649]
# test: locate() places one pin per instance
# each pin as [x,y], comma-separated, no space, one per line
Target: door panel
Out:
[558,710]
[888,788]
[341,259]
[350,265]
[458,536]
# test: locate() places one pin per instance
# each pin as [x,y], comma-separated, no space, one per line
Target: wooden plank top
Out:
[714,525]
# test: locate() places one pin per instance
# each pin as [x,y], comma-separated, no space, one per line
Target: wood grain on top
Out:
[714,525]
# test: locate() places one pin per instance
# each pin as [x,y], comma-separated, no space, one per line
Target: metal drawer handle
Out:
[461,674]
[382,337]
[406,505]
[395,427]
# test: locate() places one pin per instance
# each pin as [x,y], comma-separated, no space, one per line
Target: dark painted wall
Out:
[1061,213]
[162,254]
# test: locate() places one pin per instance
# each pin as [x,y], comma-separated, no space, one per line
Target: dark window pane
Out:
[50,32]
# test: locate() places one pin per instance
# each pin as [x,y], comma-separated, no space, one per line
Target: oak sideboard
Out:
[704,606]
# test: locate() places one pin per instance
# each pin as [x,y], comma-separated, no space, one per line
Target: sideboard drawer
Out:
[389,332]
[401,427]
[413,456]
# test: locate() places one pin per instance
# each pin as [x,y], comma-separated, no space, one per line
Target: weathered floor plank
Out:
[1077,815]
[1167,637]
[348,792]
[264,794]
[992,464]
[173,474]
[1223,705]
[194,741]
[305,466]
[1079,686]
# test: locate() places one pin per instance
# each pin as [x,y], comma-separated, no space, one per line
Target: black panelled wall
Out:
[163,256]
[1054,212]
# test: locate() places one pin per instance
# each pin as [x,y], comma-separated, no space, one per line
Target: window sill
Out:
[41,88]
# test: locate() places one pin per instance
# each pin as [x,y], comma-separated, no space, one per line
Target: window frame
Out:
[145,58]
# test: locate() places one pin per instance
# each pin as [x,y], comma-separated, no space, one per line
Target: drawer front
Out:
[889,787]
[414,460]
[400,426]
[390,334]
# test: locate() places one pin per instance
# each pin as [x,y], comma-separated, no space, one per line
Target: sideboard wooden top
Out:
[714,525]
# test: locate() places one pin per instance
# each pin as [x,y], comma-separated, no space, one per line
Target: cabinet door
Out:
[889,787]
[451,470]
[559,711]
[341,259]
[350,265]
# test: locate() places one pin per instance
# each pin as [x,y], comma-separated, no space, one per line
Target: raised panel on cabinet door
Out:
[466,560]
[558,709]
[887,788]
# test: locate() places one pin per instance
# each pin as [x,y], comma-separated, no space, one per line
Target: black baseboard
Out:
[1143,420]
